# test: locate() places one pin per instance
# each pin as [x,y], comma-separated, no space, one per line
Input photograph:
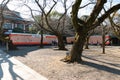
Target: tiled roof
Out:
[11,15]
[13,18]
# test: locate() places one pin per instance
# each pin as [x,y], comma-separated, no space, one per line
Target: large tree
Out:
[83,27]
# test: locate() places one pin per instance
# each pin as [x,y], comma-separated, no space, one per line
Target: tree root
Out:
[68,59]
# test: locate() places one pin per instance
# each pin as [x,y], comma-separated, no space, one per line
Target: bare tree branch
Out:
[97,8]
[74,14]
[41,8]
[64,14]
[105,15]
[87,4]
[37,22]
[52,7]
[46,14]
[115,27]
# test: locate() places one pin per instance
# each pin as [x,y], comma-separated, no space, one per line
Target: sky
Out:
[17,5]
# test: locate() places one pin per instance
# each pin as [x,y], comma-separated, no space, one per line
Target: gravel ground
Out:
[96,66]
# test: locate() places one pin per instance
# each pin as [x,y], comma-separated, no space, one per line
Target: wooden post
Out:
[103,39]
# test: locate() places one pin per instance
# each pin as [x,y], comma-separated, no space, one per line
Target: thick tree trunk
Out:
[61,44]
[77,48]
[87,42]
[76,51]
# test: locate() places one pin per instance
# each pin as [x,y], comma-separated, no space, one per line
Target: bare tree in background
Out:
[55,29]
[39,21]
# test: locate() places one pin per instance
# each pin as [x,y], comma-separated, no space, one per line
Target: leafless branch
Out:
[87,4]
[105,15]
[52,7]
[41,8]
[74,13]
[37,22]
[97,8]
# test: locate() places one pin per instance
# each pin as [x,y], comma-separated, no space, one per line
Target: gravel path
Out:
[96,66]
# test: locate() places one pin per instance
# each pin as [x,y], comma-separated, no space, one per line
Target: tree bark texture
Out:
[87,42]
[77,48]
[61,44]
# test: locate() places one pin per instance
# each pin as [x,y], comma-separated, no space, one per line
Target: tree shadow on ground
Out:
[101,67]
[57,49]
[4,59]
[23,50]
[109,63]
